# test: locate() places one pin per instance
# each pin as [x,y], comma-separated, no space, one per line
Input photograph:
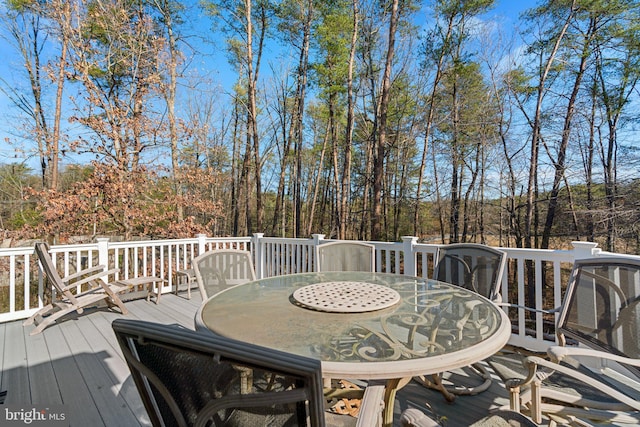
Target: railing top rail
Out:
[387,245]
[23,250]
[286,239]
[603,253]
[177,241]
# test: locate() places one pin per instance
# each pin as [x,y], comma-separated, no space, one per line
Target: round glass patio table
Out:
[368,326]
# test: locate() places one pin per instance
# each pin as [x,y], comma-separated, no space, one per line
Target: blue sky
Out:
[506,13]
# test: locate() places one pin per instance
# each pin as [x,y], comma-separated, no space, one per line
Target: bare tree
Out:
[382,114]
[28,32]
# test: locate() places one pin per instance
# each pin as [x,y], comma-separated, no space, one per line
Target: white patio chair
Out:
[478,268]
[188,378]
[594,374]
[221,268]
[345,256]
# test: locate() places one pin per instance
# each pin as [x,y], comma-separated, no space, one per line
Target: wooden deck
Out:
[77,363]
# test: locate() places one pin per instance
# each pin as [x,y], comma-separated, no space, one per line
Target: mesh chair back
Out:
[600,308]
[345,256]
[218,269]
[472,266]
[187,378]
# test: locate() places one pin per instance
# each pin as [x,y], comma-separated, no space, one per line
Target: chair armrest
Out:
[534,310]
[558,353]
[81,273]
[552,367]
[94,273]
[371,407]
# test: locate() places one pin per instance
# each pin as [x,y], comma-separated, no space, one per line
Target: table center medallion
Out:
[346,297]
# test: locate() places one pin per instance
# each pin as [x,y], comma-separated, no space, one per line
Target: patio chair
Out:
[473,266]
[345,256]
[478,268]
[186,277]
[594,372]
[66,299]
[188,378]
[221,268]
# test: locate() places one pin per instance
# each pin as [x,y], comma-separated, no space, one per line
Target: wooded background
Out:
[358,119]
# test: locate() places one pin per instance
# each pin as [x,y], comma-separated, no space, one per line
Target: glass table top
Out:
[428,320]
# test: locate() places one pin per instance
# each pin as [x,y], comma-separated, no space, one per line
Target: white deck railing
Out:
[21,282]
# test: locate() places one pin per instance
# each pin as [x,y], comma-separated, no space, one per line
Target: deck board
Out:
[2,341]
[15,377]
[95,371]
[77,362]
[42,376]
[76,394]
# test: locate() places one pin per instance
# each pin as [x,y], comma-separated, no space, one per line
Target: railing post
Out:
[202,243]
[409,257]
[317,238]
[103,251]
[256,245]
[583,250]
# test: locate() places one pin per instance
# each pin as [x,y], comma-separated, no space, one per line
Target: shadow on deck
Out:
[75,367]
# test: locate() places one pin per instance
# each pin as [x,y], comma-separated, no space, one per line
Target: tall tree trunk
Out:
[346,168]
[316,183]
[299,116]
[380,149]
[336,217]
[237,171]
[532,183]
[429,120]
[456,168]
[279,210]
[559,163]
[439,203]
[252,114]
[60,79]
[613,100]
[252,136]
[169,93]
[531,214]
[588,164]
[466,217]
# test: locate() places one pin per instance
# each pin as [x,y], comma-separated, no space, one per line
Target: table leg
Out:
[391,388]
[157,293]
[436,384]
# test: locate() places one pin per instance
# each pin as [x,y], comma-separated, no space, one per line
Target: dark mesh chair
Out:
[478,268]
[472,266]
[594,373]
[601,306]
[188,378]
